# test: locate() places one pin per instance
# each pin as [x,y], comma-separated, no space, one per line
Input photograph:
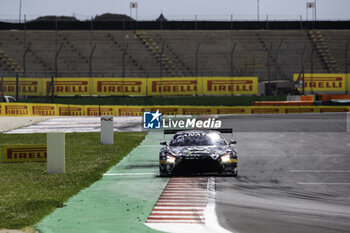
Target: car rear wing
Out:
[173,131]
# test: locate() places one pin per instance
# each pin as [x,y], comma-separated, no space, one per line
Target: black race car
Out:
[198,151]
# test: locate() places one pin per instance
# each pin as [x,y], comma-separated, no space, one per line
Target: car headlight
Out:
[226,158]
[170,158]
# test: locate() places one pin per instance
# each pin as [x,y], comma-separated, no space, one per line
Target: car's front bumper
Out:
[183,165]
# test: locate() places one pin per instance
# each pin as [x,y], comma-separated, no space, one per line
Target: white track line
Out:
[200,212]
[320,183]
[128,174]
[210,213]
[298,155]
[178,208]
[321,171]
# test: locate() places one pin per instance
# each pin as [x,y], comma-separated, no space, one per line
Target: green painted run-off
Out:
[114,203]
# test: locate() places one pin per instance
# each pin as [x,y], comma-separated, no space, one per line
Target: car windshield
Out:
[197,139]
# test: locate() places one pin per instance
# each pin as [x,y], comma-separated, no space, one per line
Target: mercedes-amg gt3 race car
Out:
[198,151]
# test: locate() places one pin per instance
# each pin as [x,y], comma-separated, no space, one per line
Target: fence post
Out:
[195,23]
[196,59]
[302,68]
[232,51]
[24,45]
[269,71]
[26,50]
[123,59]
[90,59]
[346,68]
[2,87]
[52,88]
[17,87]
[131,50]
[267,22]
[91,30]
[312,67]
[276,61]
[56,58]
[161,59]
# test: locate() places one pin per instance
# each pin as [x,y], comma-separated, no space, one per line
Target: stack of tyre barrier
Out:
[333,100]
[304,100]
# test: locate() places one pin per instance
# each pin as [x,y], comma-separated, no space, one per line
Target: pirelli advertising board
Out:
[26,86]
[230,85]
[324,82]
[16,109]
[173,86]
[176,86]
[70,110]
[120,86]
[44,110]
[95,110]
[69,86]
[167,110]
[231,110]
[130,110]
[23,153]
[193,110]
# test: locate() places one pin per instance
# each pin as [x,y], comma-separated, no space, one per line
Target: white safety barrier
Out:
[55,153]
[107,136]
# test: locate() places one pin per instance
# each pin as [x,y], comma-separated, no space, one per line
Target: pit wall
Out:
[21,109]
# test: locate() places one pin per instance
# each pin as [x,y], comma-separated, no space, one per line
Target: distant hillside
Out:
[54,17]
[103,17]
[113,17]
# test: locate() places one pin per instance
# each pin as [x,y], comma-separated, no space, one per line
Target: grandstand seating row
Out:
[251,56]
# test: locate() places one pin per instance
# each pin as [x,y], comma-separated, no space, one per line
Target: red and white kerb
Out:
[183,201]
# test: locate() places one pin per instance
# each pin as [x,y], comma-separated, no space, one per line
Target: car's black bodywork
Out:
[198,151]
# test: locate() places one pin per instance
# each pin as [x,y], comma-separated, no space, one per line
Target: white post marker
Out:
[55,153]
[107,130]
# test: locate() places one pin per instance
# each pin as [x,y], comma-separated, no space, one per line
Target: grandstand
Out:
[273,55]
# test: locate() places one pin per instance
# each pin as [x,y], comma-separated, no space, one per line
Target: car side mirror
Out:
[232,142]
[163,143]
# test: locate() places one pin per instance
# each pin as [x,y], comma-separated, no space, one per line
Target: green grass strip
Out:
[28,193]
[169,100]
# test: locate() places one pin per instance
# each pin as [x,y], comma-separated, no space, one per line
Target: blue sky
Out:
[177,9]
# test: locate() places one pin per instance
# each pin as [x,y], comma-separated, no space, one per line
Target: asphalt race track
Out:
[292,181]
[294,174]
